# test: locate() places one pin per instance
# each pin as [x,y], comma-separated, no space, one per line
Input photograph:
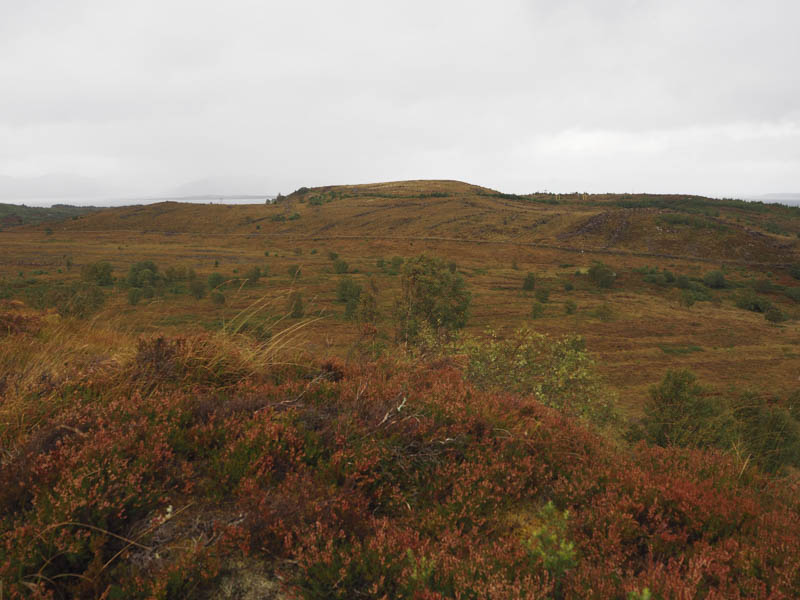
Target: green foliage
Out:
[340,266]
[395,265]
[294,271]
[296,307]
[715,280]
[217,297]
[99,273]
[215,281]
[568,286]
[748,300]
[253,275]
[144,273]
[602,275]
[294,216]
[774,315]
[431,295]
[570,307]
[549,542]
[542,295]
[679,412]
[348,289]
[793,293]
[794,271]
[529,283]
[688,298]
[769,432]
[537,310]
[558,371]
[134,296]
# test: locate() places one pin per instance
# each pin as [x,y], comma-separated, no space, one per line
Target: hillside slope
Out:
[660,225]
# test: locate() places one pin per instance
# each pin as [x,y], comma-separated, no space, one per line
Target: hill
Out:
[15,215]
[669,226]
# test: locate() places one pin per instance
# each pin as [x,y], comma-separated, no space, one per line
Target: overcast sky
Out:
[119,98]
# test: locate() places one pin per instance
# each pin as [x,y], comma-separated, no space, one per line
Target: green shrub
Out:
[529,283]
[99,273]
[348,290]
[793,293]
[367,311]
[340,266]
[78,300]
[602,275]
[215,281]
[395,265]
[682,281]
[769,431]
[430,295]
[217,297]
[537,310]
[294,271]
[748,300]
[715,280]
[542,295]
[568,287]
[557,371]
[141,274]
[134,295]
[253,275]
[680,412]
[604,312]
[570,307]
[794,271]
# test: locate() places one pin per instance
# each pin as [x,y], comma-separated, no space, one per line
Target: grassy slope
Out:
[486,234]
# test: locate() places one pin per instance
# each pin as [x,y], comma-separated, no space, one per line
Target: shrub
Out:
[748,300]
[215,281]
[395,265]
[430,295]
[793,293]
[294,271]
[794,271]
[557,371]
[568,286]
[601,275]
[134,295]
[142,273]
[529,283]
[296,307]
[333,255]
[197,288]
[537,310]
[542,295]
[348,290]
[682,281]
[680,412]
[604,312]
[570,307]
[715,280]
[253,275]
[340,266]
[217,297]
[99,273]
[769,432]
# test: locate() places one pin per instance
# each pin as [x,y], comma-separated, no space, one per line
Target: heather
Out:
[172,464]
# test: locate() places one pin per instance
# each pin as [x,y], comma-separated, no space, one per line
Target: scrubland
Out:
[416,389]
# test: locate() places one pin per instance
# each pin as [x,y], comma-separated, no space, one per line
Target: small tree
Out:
[430,296]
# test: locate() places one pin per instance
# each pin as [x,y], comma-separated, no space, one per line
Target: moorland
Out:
[420,389]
